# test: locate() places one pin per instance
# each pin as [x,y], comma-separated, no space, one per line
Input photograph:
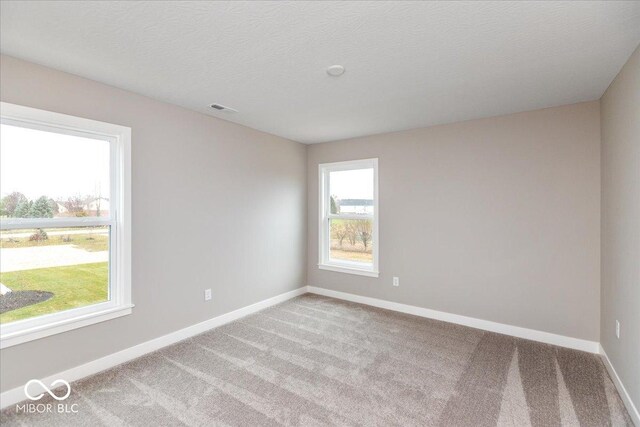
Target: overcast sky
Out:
[352,184]
[38,163]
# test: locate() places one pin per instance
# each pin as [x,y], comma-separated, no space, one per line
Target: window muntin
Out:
[348,217]
[64,225]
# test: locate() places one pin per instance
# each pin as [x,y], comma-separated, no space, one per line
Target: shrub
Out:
[39,236]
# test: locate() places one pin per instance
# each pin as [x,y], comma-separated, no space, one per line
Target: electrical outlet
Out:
[207,294]
[396,281]
[617,329]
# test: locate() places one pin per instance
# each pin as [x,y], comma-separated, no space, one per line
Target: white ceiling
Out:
[408,64]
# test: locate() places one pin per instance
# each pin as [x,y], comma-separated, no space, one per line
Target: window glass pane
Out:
[351,191]
[351,240]
[46,174]
[45,271]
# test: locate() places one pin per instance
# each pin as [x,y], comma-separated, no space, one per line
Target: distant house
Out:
[97,205]
[356,206]
[62,208]
[93,206]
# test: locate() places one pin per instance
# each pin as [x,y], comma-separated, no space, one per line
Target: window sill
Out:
[348,270]
[62,325]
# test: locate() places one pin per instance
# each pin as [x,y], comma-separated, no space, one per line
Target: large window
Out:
[64,223]
[349,217]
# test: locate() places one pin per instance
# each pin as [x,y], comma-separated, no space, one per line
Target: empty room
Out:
[319,213]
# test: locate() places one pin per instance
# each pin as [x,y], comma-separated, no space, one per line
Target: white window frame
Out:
[119,220]
[324,241]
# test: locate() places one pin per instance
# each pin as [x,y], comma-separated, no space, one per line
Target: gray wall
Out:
[620,117]
[497,219]
[215,205]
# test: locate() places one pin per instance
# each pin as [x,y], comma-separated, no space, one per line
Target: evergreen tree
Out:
[41,208]
[22,209]
[334,205]
[54,206]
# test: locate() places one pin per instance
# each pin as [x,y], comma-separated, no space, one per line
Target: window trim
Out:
[324,216]
[119,220]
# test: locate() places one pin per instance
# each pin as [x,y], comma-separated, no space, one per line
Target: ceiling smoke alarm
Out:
[335,70]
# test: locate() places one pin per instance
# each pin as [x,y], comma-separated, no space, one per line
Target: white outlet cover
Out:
[207,294]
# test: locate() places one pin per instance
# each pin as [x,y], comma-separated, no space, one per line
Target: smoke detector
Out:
[335,70]
[220,107]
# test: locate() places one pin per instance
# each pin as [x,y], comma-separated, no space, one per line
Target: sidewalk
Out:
[10,235]
[17,259]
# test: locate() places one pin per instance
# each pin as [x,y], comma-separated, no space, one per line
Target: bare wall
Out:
[620,117]
[497,219]
[215,205]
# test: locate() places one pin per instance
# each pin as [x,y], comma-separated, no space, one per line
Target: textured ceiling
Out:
[409,64]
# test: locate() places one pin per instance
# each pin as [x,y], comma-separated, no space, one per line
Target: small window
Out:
[64,223]
[349,217]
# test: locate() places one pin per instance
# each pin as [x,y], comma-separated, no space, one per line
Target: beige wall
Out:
[497,219]
[620,117]
[234,195]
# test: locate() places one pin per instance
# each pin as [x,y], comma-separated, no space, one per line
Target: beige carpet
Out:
[319,361]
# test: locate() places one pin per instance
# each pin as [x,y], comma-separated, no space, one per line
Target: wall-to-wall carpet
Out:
[319,361]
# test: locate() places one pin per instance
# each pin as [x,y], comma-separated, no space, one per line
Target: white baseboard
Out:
[487,325]
[631,408]
[516,331]
[16,395]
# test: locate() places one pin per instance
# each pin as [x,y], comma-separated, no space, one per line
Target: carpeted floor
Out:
[319,361]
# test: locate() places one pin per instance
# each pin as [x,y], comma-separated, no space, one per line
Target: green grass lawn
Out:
[88,242]
[73,286]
